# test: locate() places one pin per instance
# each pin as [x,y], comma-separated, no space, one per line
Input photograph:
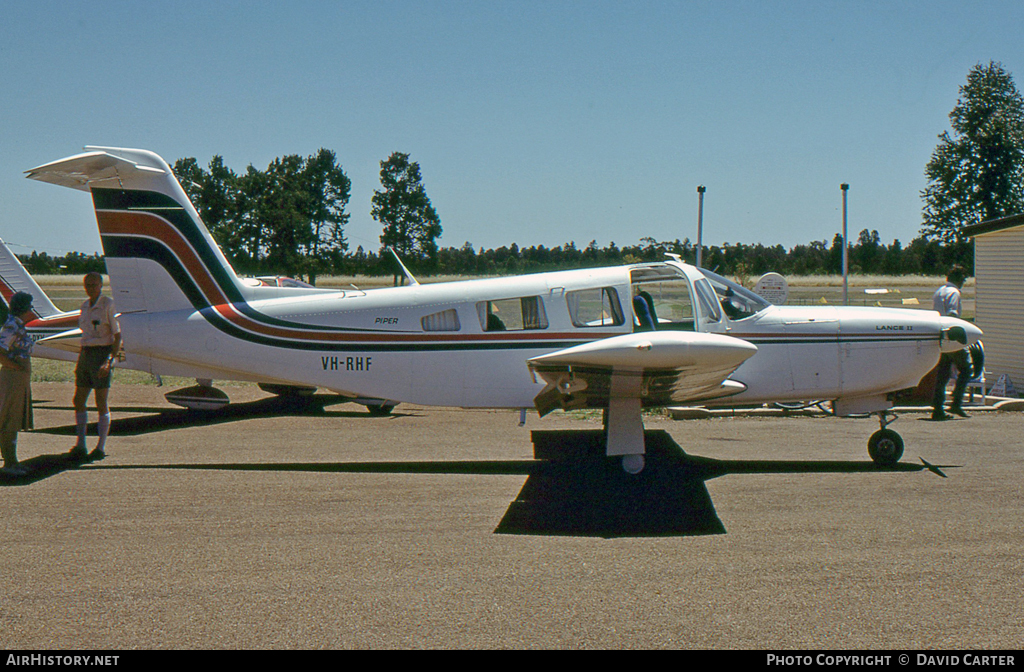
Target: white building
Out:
[999,294]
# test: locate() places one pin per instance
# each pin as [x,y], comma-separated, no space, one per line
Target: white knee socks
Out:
[103,429]
[81,421]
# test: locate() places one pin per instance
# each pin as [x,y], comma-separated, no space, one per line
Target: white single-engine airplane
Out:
[620,339]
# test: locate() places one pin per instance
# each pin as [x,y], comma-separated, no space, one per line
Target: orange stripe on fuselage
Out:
[155,227]
[69,321]
[152,226]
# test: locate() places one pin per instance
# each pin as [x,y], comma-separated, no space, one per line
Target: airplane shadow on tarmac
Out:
[158,419]
[572,487]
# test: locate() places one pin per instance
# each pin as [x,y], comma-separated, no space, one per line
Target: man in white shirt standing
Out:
[101,342]
[946,301]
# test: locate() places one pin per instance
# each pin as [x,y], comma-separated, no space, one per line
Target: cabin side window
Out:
[446,320]
[660,304]
[595,307]
[526,312]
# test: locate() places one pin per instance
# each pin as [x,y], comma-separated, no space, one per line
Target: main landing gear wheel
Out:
[885,447]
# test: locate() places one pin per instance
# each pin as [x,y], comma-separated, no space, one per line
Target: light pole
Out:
[700,222]
[845,187]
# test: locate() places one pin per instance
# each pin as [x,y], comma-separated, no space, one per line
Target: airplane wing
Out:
[659,368]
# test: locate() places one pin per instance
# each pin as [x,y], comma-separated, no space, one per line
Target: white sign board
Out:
[773,288]
[1003,387]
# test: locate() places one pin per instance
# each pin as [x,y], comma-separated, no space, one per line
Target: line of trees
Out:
[290,218]
[72,263]
[867,255]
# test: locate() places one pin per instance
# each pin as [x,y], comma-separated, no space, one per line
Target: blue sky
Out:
[533,122]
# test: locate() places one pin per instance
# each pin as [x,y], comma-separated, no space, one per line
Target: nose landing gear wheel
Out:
[885,447]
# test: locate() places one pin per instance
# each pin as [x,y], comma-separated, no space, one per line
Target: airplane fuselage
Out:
[430,344]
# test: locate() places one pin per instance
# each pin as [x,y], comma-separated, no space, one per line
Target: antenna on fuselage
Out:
[405,271]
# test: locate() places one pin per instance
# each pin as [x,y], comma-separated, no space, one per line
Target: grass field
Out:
[906,291]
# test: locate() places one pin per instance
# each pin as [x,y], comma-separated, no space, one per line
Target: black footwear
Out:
[97,454]
[958,411]
[941,415]
[78,453]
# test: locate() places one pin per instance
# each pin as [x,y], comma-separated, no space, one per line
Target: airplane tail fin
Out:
[159,254]
[14,278]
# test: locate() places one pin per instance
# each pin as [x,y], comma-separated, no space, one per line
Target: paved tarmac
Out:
[342,530]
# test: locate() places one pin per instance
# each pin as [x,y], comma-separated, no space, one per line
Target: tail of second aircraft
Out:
[159,254]
[14,278]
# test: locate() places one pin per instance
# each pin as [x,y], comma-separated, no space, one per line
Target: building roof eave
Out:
[993,225]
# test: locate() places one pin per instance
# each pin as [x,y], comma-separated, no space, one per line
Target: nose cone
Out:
[958,334]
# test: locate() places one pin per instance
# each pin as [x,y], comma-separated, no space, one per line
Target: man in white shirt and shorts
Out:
[101,342]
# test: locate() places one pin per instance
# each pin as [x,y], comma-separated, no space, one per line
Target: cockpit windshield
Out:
[737,301]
